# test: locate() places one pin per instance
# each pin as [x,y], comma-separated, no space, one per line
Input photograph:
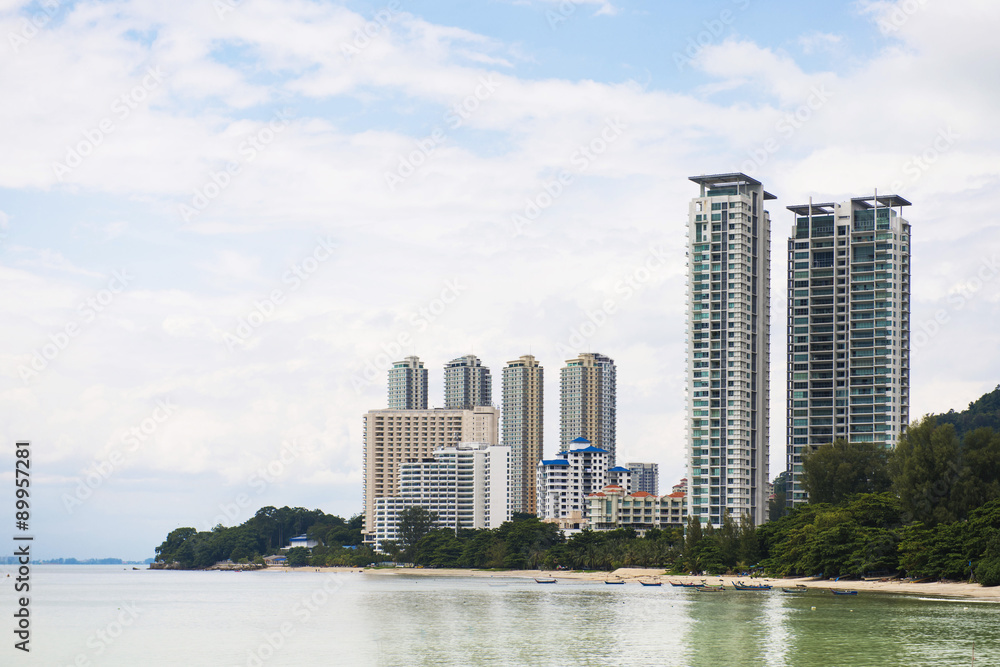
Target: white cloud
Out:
[324,173]
[819,41]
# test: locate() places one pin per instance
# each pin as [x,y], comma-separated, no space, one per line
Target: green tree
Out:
[984,412]
[692,542]
[835,472]
[414,523]
[926,469]
[298,556]
[776,506]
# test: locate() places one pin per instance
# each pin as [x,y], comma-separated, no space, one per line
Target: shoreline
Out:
[936,589]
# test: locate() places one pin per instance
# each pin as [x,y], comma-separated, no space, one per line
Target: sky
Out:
[221,220]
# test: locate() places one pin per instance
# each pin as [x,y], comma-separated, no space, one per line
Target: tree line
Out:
[265,534]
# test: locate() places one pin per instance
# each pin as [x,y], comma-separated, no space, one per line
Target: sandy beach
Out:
[936,589]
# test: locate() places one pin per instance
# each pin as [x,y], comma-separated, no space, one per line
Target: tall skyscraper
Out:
[848,327]
[729,266]
[522,427]
[408,385]
[587,402]
[645,477]
[467,384]
[395,437]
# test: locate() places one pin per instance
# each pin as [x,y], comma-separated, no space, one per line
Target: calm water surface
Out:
[105,615]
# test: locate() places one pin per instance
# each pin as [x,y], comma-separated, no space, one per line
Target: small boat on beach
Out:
[740,586]
[612,583]
[710,589]
[651,583]
[545,581]
[843,592]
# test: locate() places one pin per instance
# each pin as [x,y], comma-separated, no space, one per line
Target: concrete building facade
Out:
[728,336]
[467,384]
[588,401]
[465,486]
[645,477]
[395,437]
[565,481]
[408,385]
[522,421]
[613,507]
[848,327]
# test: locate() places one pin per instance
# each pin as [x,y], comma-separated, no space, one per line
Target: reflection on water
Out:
[305,619]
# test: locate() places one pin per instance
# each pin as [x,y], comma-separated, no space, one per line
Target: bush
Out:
[988,572]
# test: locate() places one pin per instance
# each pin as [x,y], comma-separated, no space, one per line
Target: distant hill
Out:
[982,412]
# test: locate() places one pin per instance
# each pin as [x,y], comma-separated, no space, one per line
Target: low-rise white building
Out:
[565,482]
[612,507]
[467,486]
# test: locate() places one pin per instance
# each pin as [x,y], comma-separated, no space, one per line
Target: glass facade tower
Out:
[848,327]
[728,337]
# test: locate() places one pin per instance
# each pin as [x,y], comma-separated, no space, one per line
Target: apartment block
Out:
[467,384]
[613,507]
[465,486]
[565,481]
[588,401]
[395,437]
[645,477]
[728,336]
[408,385]
[523,412]
[848,327]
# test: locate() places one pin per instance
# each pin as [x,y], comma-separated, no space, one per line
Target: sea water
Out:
[113,615]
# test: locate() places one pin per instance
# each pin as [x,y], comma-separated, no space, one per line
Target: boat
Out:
[676,584]
[710,589]
[545,581]
[844,592]
[740,586]
[794,590]
[611,583]
[651,583]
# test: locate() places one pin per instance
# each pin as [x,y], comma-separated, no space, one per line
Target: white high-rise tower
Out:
[729,266]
